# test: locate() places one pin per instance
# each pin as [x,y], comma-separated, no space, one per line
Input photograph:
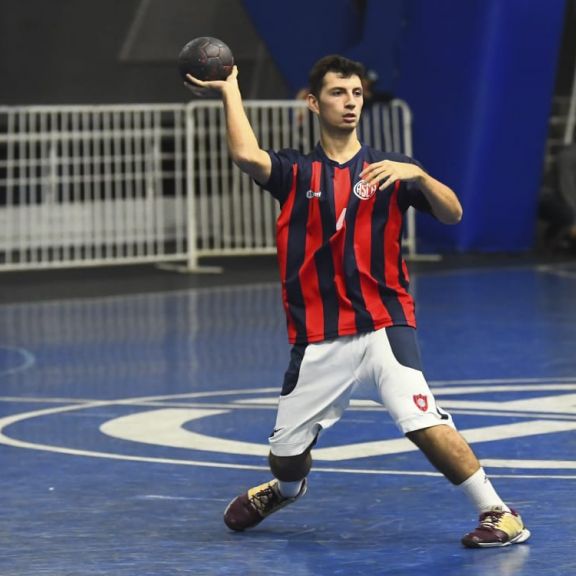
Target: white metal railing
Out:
[102,185]
[87,185]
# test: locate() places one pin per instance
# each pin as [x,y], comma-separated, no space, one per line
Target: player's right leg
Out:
[289,484]
[316,391]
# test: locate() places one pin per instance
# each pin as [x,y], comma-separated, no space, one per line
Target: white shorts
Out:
[322,378]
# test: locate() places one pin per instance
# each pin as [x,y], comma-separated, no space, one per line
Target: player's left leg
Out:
[451,455]
[447,451]
[403,389]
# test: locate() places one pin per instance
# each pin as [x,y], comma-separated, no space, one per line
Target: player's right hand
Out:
[203,87]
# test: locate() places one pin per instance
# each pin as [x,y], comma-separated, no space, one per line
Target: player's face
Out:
[340,101]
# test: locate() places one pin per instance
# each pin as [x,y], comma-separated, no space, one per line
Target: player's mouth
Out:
[349,117]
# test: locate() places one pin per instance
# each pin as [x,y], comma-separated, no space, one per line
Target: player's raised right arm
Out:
[242,142]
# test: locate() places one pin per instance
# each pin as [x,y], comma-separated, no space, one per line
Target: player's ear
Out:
[312,102]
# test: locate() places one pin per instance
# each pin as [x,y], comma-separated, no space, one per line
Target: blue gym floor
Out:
[128,422]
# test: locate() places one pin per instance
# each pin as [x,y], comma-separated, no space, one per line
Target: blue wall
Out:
[479,77]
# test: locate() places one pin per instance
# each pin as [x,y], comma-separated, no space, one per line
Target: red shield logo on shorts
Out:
[421,401]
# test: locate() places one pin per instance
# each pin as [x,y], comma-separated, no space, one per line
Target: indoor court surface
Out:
[133,408]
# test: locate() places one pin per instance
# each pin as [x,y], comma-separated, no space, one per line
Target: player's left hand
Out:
[386,172]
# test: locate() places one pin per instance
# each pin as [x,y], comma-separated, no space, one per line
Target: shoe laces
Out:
[491,519]
[264,499]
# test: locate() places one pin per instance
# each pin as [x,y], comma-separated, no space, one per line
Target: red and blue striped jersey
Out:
[339,245]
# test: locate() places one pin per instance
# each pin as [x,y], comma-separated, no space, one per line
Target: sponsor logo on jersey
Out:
[311,194]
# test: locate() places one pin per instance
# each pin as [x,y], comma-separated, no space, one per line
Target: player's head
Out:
[337,64]
[336,95]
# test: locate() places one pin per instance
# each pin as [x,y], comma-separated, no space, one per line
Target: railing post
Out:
[571,119]
[192,260]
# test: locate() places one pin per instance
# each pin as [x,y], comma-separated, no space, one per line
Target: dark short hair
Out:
[333,63]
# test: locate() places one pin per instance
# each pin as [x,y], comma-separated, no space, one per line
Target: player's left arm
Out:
[443,201]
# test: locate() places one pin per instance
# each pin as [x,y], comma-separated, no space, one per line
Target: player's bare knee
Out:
[431,435]
[417,437]
[290,468]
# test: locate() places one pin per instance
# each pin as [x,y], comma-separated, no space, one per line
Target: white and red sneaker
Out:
[497,527]
[251,508]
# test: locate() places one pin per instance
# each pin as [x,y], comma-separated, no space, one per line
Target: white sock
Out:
[290,489]
[480,490]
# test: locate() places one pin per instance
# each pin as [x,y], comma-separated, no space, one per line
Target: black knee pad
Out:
[290,468]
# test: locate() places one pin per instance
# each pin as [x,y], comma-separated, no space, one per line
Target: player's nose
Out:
[350,102]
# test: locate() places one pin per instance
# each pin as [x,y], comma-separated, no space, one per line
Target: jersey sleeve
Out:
[410,194]
[281,174]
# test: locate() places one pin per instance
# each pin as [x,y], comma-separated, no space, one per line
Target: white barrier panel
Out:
[91,185]
[102,185]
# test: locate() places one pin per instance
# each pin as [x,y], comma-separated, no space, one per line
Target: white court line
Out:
[556,270]
[261,404]
[28,360]
[7,421]
[46,400]
[166,427]
[479,381]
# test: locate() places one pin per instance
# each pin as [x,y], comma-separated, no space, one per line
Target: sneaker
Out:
[251,508]
[497,528]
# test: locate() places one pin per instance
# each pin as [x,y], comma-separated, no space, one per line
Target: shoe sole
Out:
[522,537]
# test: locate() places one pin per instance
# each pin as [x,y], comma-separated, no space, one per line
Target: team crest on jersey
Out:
[421,401]
[364,191]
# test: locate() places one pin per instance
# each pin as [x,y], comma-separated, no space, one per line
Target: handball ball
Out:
[206,58]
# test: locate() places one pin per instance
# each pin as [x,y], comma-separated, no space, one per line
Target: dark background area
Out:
[110,51]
